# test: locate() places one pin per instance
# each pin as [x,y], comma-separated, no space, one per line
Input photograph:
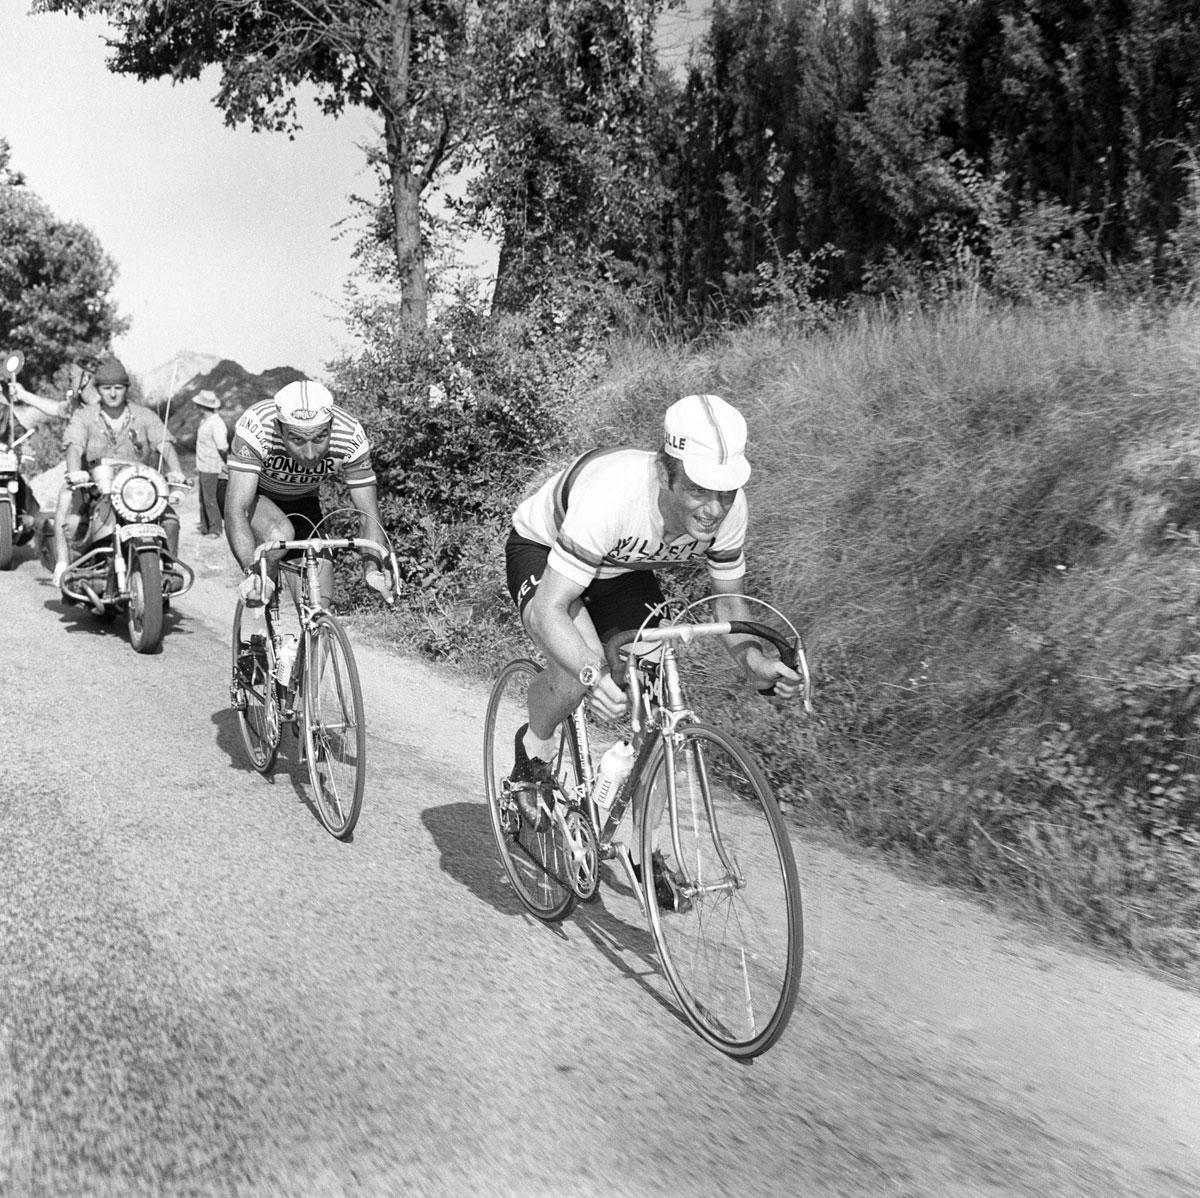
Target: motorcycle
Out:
[119,558]
[13,528]
[19,509]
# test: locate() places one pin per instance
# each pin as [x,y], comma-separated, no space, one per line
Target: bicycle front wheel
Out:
[731,947]
[538,863]
[253,691]
[335,730]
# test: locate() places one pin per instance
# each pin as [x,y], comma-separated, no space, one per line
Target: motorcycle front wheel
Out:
[6,536]
[145,601]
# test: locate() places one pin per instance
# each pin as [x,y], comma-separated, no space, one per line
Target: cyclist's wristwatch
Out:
[590,674]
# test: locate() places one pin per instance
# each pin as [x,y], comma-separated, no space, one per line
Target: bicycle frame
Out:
[308,575]
[657,709]
[331,722]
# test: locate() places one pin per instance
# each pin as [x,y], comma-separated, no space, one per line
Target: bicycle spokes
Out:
[334,728]
[540,862]
[731,946]
[252,691]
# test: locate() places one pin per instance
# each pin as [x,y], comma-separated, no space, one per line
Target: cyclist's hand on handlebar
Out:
[251,590]
[78,478]
[771,676]
[379,582]
[608,699]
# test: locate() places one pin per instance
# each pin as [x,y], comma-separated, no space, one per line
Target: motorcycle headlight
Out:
[137,496]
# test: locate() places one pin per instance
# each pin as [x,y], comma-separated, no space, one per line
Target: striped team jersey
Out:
[600,517]
[259,449]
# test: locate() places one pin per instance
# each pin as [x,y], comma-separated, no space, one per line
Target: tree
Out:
[55,283]
[566,156]
[405,60]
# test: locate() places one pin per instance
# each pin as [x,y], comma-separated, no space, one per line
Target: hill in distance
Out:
[233,385]
[158,383]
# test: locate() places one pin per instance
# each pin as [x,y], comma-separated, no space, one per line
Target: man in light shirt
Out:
[212,452]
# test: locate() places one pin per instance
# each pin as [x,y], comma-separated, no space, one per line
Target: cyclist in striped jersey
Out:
[283,449]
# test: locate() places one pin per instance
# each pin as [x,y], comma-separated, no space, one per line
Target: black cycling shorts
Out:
[304,511]
[615,605]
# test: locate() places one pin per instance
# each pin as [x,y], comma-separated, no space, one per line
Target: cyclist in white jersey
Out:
[583,550]
[283,449]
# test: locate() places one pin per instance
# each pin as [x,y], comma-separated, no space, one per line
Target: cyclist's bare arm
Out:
[366,503]
[239,502]
[763,668]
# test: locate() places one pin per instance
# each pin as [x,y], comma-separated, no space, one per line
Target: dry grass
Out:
[988,522]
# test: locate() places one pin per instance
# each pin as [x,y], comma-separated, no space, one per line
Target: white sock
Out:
[536,747]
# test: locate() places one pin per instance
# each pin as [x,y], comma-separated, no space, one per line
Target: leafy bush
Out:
[461,418]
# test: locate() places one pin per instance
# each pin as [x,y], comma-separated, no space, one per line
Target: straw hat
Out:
[206,399]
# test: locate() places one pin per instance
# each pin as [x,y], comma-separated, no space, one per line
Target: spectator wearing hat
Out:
[212,452]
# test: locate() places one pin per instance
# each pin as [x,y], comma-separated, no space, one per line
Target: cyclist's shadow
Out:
[468,854]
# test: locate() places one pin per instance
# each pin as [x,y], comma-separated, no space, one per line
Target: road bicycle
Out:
[721,891]
[309,680]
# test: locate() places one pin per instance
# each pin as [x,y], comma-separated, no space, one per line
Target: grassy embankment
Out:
[987,525]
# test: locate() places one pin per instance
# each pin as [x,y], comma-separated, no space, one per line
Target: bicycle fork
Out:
[732,878]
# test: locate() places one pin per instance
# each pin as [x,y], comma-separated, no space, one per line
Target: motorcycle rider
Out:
[113,428]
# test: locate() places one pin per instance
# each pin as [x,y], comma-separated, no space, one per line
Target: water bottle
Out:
[285,657]
[613,770]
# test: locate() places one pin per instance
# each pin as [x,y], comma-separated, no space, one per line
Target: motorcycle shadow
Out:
[79,618]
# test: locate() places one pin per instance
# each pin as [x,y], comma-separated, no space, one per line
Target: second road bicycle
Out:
[309,681]
[717,878]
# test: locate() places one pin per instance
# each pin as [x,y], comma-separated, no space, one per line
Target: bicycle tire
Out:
[254,679]
[732,948]
[335,728]
[537,863]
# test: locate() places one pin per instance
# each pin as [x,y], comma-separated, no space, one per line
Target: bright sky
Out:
[226,241]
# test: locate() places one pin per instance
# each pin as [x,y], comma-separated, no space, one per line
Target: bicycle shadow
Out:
[463,835]
[289,764]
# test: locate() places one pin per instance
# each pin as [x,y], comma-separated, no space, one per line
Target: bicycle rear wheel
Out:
[537,863]
[335,730]
[732,948]
[253,687]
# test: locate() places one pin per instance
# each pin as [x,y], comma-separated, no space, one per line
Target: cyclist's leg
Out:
[554,693]
[618,605]
[281,518]
[304,513]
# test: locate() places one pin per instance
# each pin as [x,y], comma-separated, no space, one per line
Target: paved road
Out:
[202,993]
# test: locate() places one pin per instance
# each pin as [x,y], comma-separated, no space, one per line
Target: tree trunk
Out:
[405,182]
[410,254]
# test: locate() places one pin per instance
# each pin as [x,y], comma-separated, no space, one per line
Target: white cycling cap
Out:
[304,404]
[708,436]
